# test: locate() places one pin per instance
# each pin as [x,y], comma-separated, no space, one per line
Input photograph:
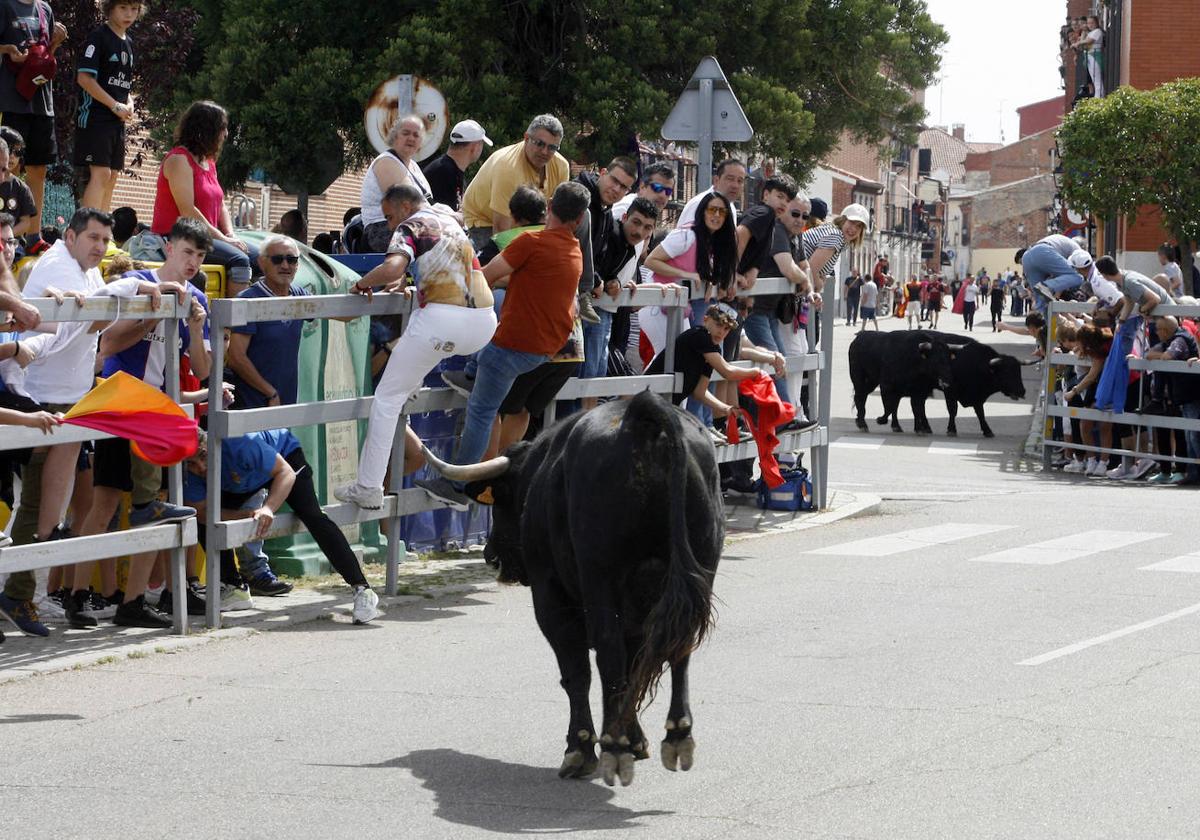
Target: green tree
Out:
[1137,148]
[295,74]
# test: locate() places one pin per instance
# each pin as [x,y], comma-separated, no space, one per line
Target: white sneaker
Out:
[366,605]
[1075,467]
[1097,469]
[233,598]
[1143,466]
[369,498]
[1120,473]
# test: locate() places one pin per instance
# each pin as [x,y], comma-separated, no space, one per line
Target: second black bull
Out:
[915,363]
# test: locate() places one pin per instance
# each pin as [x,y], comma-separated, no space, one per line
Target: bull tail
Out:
[683,615]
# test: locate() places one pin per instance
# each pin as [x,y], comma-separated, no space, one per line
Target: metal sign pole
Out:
[704,162]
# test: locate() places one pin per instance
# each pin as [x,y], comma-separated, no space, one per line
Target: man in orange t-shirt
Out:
[542,270]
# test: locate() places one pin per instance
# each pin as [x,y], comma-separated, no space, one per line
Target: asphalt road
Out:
[985,656]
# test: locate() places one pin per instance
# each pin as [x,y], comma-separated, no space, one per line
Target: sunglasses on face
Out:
[279,259]
[662,188]
[716,211]
[538,143]
[798,215]
[11,242]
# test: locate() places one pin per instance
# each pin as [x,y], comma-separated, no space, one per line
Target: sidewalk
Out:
[328,599]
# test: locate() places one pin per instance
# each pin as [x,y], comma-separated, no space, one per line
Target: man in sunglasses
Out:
[657,186]
[264,356]
[534,162]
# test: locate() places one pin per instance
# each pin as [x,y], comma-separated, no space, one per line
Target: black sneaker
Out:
[74,606]
[137,613]
[166,602]
[269,585]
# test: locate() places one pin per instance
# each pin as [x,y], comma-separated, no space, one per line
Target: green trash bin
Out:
[334,365]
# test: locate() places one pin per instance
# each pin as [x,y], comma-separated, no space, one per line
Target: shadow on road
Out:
[512,798]
[37,718]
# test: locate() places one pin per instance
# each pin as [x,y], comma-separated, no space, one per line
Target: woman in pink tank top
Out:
[188,186]
[703,252]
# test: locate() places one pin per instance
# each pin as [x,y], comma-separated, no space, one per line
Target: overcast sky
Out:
[1001,55]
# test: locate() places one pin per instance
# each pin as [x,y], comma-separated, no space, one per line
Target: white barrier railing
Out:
[223,423]
[1052,409]
[174,537]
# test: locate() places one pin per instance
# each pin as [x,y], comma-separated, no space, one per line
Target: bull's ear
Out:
[483,492]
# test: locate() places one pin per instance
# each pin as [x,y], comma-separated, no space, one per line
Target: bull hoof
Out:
[923,431]
[882,421]
[896,427]
[578,764]
[678,755]
[952,432]
[862,425]
[616,765]
[988,433]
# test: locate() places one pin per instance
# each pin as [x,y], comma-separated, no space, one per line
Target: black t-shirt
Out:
[16,199]
[20,24]
[760,221]
[997,297]
[445,181]
[109,58]
[690,348]
[779,243]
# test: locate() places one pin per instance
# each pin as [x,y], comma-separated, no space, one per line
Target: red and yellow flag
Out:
[158,429]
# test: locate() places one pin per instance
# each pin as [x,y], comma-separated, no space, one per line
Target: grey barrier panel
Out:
[21,558]
[223,423]
[82,549]
[1147,421]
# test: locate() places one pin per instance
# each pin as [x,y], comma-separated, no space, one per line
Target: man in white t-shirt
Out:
[729,181]
[1105,291]
[1171,277]
[868,300]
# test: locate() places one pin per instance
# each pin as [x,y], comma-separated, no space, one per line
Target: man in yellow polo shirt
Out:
[534,161]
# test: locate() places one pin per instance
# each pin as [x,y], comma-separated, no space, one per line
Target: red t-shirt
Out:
[538,311]
[207,195]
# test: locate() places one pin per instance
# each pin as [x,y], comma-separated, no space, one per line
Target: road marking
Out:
[1062,549]
[901,541]
[953,447]
[1183,563]
[1108,637]
[859,442]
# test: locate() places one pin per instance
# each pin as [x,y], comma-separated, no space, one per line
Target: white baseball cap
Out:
[1080,259]
[857,213]
[468,131]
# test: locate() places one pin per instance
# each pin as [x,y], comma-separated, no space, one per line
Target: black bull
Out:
[614,518]
[976,372]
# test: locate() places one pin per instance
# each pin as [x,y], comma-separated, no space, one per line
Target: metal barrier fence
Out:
[1050,409]
[174,537]
[223,423]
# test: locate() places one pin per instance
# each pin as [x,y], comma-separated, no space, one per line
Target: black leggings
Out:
[303,502]
[997,316]
[968,314]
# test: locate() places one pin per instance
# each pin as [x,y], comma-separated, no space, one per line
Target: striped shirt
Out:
[823,236]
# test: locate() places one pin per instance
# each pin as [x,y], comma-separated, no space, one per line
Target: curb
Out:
[849,504]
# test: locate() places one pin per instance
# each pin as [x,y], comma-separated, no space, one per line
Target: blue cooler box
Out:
[794,494]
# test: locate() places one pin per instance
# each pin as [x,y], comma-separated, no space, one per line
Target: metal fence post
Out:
[178,571]
[216,432]
[824,396]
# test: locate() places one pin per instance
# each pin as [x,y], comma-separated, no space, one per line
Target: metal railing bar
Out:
[20,558]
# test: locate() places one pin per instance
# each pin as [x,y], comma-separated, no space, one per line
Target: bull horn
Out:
[925,346]
[1028,362]
[467,472]
[995,361]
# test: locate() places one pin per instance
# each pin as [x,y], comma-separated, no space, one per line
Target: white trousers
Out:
[795,343]
[432,334]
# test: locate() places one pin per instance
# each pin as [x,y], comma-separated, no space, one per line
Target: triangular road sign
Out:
[729,123]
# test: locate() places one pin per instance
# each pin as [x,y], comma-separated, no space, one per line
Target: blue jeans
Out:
[695,407]
[498,368]
[252,560]
[1191,411]
[1042,264]
[595,346]
[471,367]
[238,264]
[763,330]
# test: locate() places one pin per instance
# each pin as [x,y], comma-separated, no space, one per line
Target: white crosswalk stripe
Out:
[889,544]
[1070,547]
[953,447]
[1183,563]
[858,442]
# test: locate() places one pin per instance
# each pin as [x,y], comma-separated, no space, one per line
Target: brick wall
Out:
[1040,116]
[1026,158]
[995,215]
[1163,41]
[324,211]
[860,158]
